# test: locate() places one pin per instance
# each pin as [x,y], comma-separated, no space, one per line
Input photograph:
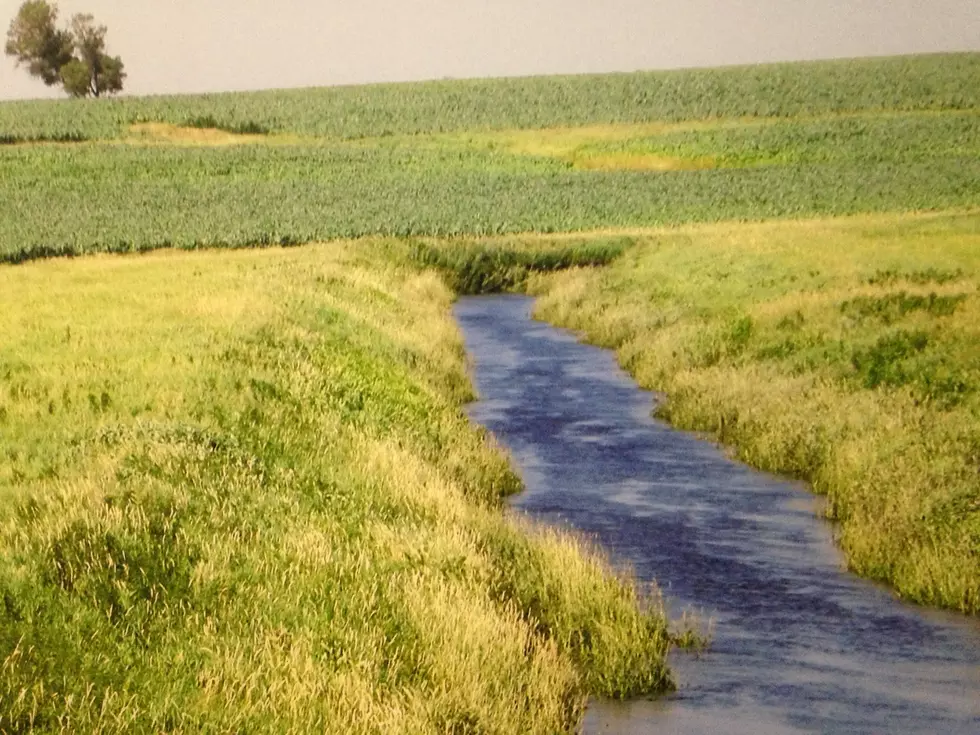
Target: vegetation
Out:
[841,351]
[490,157]
[33,40]
[936,82]
[74,58]
[869,140]
[238,493]
[237,490]
[496,266]
[193,187]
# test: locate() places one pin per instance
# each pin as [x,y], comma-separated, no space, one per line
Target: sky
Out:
[177,46]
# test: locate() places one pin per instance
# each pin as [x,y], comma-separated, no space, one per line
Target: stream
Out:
[798,643]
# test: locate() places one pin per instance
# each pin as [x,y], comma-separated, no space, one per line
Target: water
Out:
[799,644]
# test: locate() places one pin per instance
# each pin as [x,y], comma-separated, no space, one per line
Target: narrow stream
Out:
[799,645]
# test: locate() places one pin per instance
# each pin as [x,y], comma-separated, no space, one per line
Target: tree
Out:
[92,71]
[75,57]
[35,42]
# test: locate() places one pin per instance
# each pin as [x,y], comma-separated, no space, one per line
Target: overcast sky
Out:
[212,45]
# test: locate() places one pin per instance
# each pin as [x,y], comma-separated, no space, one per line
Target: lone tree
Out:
[74,57]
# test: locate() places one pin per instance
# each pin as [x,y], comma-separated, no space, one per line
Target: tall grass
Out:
[238,493]
[841,351]
[493,266]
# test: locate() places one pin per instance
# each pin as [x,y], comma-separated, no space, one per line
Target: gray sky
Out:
[212,45]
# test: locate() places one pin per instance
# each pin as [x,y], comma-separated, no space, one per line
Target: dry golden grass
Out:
[169,134]
[238,492]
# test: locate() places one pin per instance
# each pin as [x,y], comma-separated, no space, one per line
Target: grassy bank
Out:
[238,493]
[841,351]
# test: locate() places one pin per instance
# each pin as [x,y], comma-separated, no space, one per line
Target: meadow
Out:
[238,493]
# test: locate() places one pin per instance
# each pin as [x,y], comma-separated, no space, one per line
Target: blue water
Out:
[799,644]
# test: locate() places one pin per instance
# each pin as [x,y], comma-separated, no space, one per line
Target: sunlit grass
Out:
[846,352]
[736,142]
[238,493]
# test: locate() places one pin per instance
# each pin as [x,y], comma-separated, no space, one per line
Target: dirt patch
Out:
[641,162]
[158,132]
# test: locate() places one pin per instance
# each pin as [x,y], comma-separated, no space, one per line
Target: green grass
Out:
[238,493]
[489,157]
[120,197]
[942,81]
[841,351]
[237,490]
[866,139]
[480,267]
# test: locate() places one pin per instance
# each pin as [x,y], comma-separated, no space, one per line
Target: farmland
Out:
[678,149]
[237,488]
[82,198]
[936,82]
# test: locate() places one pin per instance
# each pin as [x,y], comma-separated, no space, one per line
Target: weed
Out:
[475,268]
[870,397]
[894,306]
[919,277]
[296,529]
[882,364]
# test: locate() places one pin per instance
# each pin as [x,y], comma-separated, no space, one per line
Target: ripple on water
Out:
[799,644]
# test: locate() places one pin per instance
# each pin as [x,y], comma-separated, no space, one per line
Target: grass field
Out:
[237,493]
[237,489]
[846,352]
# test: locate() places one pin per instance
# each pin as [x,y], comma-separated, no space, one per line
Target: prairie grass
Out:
[845,352]
[238,493]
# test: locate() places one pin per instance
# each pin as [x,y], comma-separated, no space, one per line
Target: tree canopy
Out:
[74,57]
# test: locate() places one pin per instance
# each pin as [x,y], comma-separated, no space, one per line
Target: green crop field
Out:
[551,155]
[237,489]
[938,82]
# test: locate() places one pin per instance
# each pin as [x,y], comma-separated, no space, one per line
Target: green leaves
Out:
[75,57]
[33,41]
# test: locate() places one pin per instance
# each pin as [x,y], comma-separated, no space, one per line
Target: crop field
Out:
[845,352]
[73,199]
[935,82]
[683,147]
